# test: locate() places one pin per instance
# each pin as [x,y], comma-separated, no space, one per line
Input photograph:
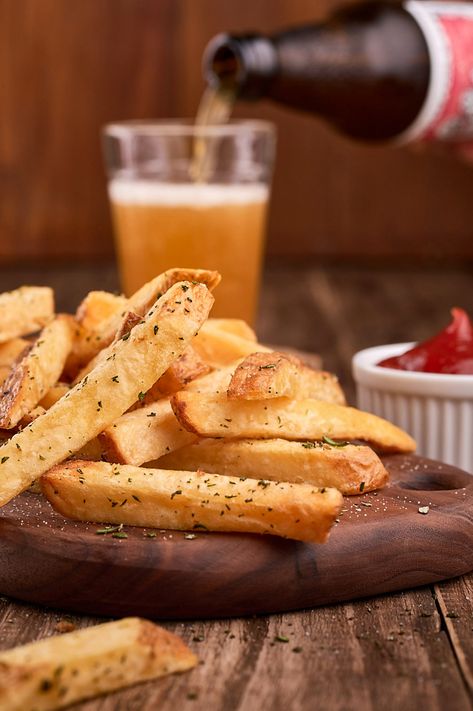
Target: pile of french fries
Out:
[146,412]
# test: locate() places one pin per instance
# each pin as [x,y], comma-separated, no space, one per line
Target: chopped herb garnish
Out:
[126,336]
[141,396]
[281,638]
[332,442]
[151,534]
[109,529]
[362,486]
[115,379]
[200,525]
[155,329]
[176,493]
[120,534]
[264,483]
[267,367]
[151,414]
[4,459]
[136,498]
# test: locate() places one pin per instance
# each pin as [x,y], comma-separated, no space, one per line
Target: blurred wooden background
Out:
[67,67]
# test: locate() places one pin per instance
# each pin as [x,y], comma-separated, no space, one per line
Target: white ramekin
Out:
[437,410]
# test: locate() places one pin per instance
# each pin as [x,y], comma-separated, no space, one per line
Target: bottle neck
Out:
[366,69]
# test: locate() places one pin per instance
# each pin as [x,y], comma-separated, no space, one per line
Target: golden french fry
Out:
[58,671]
[219,347]
[97,307]
[217,416]
[108,391]
[36,372]
[10,352]
[268,375]
[351,469]
[25,310]
[236,326]
[144,434]
[89,343]
[98,491]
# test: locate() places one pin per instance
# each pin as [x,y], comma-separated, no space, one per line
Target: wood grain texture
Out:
[382,543]
[65,71]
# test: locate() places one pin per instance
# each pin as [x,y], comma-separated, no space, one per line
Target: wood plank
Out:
[455,603]
[387,653]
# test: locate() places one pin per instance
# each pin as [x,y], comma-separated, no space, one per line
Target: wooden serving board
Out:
[381,544]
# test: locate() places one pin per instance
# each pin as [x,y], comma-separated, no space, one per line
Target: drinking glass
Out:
[192,196]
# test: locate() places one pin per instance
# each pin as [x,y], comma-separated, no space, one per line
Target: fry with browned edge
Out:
[217,416]
[58,671]
[109,390]
[98,491]
[351,468]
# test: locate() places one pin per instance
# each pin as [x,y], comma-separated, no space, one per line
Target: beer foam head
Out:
[144,192]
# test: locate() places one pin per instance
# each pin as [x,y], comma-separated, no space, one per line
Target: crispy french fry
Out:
[217,416]
[96,402]
[144,434]
[219,347]
[183,371]
[89,342]
[268,375]
[190,500]
[350,469]
[36,372]
[25,310]
[236,326]
[10,351]
[58,671]
[97,307]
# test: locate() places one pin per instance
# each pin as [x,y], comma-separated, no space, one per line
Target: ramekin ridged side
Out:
[436,409]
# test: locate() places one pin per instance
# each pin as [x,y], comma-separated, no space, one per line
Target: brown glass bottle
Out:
[365,70]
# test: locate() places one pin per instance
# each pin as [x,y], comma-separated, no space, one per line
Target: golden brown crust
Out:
[217,416]
[350,469]
[37,371]
[179,500]
[268,375]
[57,671]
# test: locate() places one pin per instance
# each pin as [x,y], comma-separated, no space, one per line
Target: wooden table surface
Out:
[404,651]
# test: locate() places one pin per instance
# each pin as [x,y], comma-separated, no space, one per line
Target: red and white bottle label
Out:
[447,113]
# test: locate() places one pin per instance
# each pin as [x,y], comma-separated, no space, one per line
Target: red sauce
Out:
[450,351]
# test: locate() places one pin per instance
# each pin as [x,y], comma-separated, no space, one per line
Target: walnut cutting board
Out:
[381,544]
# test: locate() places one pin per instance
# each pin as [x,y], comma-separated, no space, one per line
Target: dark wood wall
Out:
[67,67]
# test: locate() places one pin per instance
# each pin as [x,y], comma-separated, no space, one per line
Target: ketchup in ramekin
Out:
[449,352]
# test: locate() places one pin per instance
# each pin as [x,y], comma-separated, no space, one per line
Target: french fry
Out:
[184,370]
[219,347]
[25,310]
[236,326]
[10,351]
[97,491]
[36,372]
[145,434]
[268,375]
[98,400]
[58,671]
[217,416]
[88,343]
[97,307]
[350,469]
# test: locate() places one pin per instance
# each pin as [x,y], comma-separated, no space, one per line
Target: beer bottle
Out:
[377,70]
